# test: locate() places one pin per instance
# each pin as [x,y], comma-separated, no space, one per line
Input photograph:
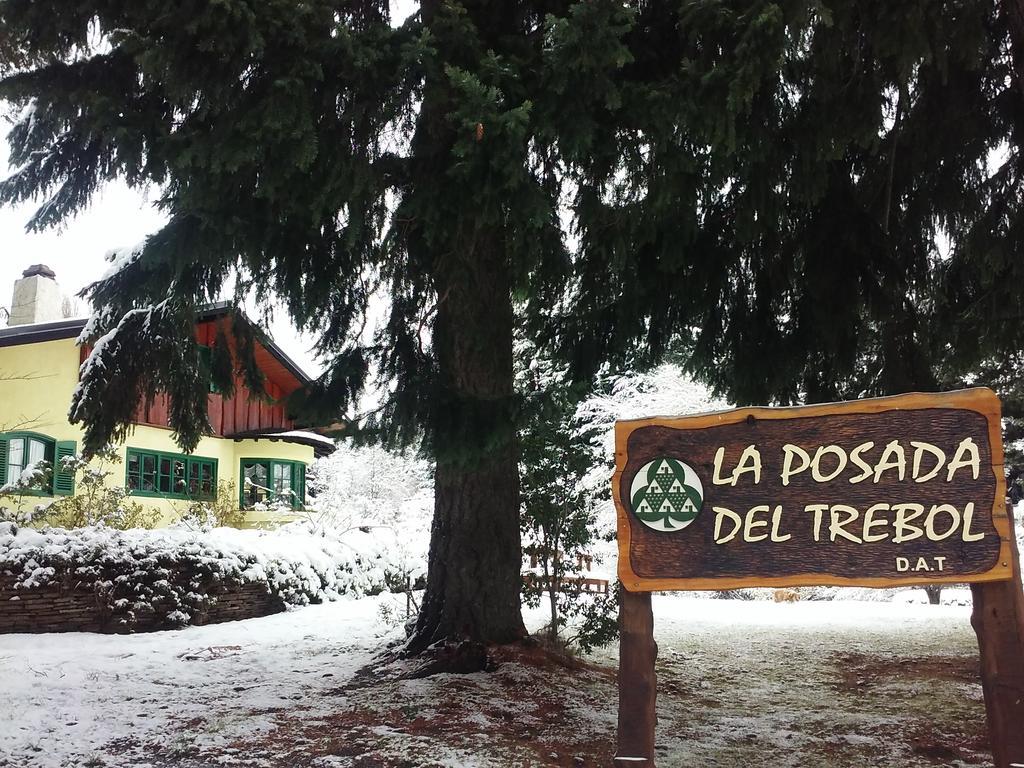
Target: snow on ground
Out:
[838,683]
[740,683]
[83,699]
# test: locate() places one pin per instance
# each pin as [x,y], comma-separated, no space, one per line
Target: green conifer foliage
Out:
[763,183]
[561,459]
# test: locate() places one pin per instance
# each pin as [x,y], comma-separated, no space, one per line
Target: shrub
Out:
[222,512]
[17,495]
[95,502]
[559,519]
[166,577]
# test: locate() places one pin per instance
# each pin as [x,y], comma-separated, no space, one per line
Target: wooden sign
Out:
[894,490]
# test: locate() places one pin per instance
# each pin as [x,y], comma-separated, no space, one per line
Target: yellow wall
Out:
[42,397]
[36,385]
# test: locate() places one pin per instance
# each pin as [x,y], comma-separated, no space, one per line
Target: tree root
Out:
[462,658]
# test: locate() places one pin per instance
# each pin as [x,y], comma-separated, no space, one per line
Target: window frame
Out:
[297,474]
[49,456]
[171,475]
[206,362]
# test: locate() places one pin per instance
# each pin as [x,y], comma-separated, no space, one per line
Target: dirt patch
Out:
[967,744]
[861,671]
[534,709]
[935,737]
[542,708]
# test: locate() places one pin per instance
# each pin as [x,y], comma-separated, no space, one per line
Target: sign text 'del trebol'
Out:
[906,489]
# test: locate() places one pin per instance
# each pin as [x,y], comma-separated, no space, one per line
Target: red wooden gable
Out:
[241,413]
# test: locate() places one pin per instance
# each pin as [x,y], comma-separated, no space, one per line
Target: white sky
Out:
[118,217]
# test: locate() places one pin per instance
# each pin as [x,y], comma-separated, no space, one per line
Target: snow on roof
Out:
[327,441]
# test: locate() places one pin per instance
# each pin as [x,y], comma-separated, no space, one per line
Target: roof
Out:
[35,333]
[322,446]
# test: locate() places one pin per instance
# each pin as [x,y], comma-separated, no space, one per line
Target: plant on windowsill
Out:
[220,512]
[284,502]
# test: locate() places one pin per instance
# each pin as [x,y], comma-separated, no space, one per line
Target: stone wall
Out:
[79,606]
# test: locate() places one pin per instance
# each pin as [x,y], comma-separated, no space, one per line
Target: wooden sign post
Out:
[892,491]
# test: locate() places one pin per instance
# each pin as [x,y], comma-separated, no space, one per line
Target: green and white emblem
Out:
[666,494]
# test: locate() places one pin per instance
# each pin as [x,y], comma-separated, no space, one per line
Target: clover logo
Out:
[666,494]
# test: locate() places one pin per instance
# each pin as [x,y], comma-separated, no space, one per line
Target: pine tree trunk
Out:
[473,577]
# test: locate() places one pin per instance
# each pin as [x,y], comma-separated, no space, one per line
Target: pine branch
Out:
[1013,14]
[426,317]
[894,133]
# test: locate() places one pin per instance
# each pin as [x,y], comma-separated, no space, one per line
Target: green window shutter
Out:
[300,485]
[241,485]
[3,460]
[63,482]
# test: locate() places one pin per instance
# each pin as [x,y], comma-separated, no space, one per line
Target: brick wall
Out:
[79,606]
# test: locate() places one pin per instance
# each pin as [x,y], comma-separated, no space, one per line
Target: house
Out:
[255,447]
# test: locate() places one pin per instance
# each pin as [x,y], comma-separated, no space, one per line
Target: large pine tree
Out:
[771,185]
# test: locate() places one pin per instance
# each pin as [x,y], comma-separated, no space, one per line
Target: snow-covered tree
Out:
[665,390]
[387,493]
[765,181]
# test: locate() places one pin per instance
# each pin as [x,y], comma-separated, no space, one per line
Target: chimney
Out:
[37,297]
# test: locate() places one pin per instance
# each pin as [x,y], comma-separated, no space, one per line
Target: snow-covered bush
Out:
[175,573]
[18,495]
[388,494]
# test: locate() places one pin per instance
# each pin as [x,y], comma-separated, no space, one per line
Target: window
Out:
[202,475]
[22,450]
[151,473]
[282,481]
[206,361]
[255,483]
[25,452]
[270,481]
